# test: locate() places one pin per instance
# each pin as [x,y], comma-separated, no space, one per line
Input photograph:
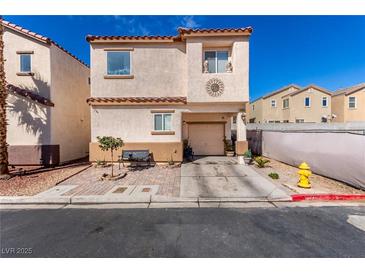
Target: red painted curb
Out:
[327,197]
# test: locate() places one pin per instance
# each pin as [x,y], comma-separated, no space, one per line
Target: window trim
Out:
[324,97]
[271,101]
[348,103]
[120,76]
[286,99]
[216,58]
[162,114]
[20,63]
[310,103]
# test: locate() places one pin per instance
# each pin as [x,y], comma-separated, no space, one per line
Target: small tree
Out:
[109,142]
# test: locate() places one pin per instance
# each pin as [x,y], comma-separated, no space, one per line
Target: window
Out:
[234,120]
[352,102]
[119,63]
[25,63]
[162,122]
[277,122]
[217,61]
[285,121]
[253,107]
[299,120]
[286,103]
[324,102]
[307,102]
[273,103]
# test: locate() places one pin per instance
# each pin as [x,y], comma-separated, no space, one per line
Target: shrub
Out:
[247,154]
[274,175]
[261,162]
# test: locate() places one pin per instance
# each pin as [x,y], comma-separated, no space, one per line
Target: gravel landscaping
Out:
[288,177]
[28,181]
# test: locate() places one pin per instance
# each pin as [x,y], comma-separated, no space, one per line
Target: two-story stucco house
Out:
[348,104]
[292,104]
[48,117]
[155,92]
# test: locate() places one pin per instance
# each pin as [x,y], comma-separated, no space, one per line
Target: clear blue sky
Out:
[325,50]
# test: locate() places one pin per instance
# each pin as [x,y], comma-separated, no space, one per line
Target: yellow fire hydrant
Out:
[304,173]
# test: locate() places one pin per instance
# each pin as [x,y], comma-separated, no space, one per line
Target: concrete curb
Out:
[123,199]
[109,199]
[35,200]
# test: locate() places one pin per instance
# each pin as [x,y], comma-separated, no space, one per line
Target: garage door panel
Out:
[207,138]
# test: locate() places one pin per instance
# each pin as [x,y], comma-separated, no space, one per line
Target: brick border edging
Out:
[327,197]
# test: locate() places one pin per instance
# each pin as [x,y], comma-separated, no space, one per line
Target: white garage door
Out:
[207,139]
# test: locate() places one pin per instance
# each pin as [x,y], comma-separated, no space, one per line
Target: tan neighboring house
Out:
[292,104]
[154,92]
[348,104]
[48,117]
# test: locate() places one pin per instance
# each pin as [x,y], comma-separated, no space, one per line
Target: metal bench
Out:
[135,156]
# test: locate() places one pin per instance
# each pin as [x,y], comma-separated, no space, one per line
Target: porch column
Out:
[241,143]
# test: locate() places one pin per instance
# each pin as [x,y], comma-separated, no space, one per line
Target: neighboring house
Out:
[48,117]
[348,104]
[268,108]
[293,104]
[154,92]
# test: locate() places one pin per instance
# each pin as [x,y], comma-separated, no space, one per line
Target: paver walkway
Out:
[161,180]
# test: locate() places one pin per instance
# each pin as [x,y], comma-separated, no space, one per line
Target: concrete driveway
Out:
[222,177]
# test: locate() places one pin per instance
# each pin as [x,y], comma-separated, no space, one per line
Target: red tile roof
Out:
[136,100]
[181,33]
[225,30]
[39,37]
[127,38]
[29,95]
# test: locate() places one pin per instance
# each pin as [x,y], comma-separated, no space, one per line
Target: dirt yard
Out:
[289,178]
[28,181]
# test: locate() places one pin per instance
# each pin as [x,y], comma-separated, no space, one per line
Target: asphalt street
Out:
[182,232]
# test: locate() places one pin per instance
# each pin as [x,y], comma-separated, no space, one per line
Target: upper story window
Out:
[352,102]
[118,63]
[217,61]
[307,102]
[25,63]
[162,121]
[286,103]
[273,103]
[234,120]
[253,107]
[324,102]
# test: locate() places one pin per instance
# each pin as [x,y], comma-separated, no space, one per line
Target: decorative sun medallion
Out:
[215,87]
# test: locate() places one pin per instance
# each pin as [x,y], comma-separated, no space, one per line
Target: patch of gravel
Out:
[289,178]
[37,180]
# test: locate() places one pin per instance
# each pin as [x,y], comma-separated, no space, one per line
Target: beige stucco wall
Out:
[358,114]
[70,117]
[276,113]
[158,70]
[257,111]
[338,108]
[235,84]
[28,122]
[135,123]
[315,112]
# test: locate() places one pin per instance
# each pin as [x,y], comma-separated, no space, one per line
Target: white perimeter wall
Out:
[340,156]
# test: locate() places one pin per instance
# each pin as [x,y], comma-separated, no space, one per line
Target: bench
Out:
[135,156]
